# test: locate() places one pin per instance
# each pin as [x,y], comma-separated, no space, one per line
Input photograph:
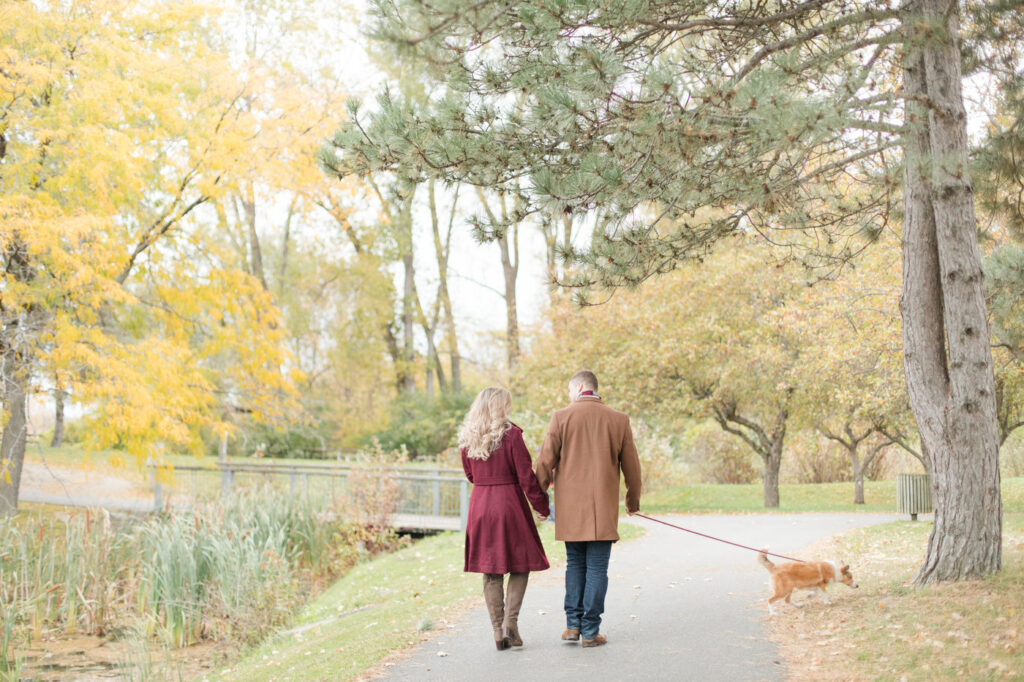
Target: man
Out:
[587,445]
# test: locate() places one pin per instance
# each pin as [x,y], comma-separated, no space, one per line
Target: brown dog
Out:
[806,576]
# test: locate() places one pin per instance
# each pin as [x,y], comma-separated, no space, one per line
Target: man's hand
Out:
[541,519]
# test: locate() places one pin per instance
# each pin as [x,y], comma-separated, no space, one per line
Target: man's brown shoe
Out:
[597,641]
[571,635]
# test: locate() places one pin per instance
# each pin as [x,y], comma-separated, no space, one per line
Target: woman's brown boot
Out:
[513,602]
[494,597]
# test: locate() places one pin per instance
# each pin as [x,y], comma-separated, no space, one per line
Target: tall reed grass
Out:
[226,570]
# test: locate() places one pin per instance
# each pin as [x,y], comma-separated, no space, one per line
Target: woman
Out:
[500,535]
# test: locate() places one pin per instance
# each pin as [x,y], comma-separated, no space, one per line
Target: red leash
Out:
[712,537]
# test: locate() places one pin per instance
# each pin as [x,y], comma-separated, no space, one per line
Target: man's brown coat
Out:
[587,445]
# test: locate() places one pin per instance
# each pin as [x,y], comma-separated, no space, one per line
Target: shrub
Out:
[424,425]
[373,496]
[812,458]
[1011,455]
[658,464]
[294,441]
[718,457]
[300,441]
[75,431]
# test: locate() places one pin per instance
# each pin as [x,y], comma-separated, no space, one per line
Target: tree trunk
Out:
[453,344]
[255,251]
[511,272]
[947,358]
[510,269]
[442,249]
[858,477]
[12,447]
[20,325]
[772,463]
[286,236]
[767,445]
[549,230]
[851,443]
[409,292]
[396,356]
[58,421]
[434,366]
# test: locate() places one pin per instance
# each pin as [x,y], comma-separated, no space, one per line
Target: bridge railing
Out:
[428,498]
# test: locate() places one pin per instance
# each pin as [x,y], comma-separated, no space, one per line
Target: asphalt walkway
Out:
[679,607]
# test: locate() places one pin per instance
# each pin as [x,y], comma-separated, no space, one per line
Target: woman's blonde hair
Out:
[487,423]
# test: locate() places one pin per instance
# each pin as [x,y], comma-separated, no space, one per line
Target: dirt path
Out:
[678,607]
[82,488]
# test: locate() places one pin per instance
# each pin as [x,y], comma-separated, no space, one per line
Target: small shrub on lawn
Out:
[424,425]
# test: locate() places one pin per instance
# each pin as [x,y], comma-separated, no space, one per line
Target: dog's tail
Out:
[763,558]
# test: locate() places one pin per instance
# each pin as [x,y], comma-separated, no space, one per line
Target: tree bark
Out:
[396,356]
[286,236]
[442,248]
[510,268]
[772,464]
[947,358]
[405,242]
[20,325]
[858,477]
[767,444]
[1007,415]
[12,446]
[255,250]
[58,420]
[851,442]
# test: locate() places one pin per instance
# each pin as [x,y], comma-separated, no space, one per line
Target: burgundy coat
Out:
[501,536]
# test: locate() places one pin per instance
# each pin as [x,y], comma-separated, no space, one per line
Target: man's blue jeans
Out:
[586,583]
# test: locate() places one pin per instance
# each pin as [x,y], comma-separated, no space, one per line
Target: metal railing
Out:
[428,498]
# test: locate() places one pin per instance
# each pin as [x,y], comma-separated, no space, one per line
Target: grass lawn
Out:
[380,606]
[880,496]
[890,630]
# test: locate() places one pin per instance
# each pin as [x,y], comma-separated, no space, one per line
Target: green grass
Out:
[879,496]
[380,606]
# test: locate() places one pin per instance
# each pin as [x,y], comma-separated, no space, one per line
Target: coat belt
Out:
[508,480]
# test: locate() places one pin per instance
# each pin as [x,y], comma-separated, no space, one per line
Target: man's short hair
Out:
[584,378]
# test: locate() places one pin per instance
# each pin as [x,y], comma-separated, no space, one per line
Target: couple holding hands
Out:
[587,445]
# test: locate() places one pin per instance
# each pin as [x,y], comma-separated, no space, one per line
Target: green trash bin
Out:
[913,494]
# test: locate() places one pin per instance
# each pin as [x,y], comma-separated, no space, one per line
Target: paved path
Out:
[679,607]
[79,487]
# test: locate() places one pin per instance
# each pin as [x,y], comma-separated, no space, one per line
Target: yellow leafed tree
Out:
[119,121]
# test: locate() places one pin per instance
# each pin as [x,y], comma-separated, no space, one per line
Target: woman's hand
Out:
[540,518]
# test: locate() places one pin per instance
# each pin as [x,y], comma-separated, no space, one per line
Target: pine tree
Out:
[674,124]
